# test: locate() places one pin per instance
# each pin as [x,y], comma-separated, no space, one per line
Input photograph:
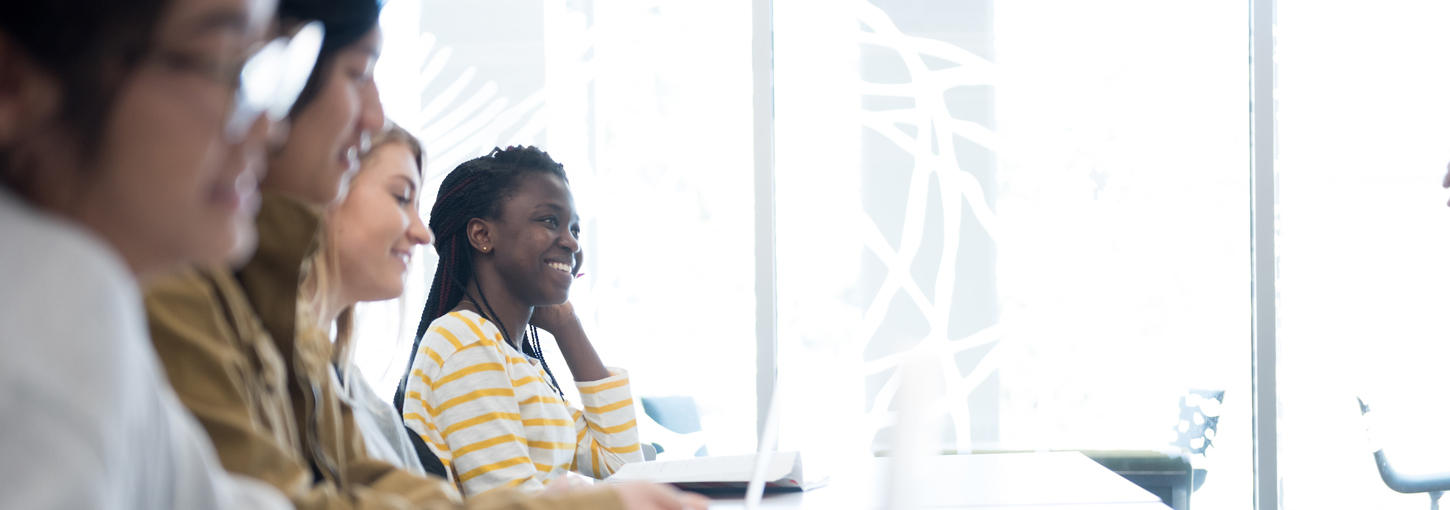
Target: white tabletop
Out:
[1020,481]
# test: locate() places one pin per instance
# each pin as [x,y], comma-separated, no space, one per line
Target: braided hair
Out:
[477,188]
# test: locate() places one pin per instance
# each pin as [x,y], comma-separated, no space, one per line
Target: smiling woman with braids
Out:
[479,393]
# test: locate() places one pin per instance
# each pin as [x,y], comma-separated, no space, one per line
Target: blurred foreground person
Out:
[262,381]
[116,164]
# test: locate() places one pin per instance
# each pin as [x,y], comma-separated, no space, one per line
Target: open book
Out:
[720,474]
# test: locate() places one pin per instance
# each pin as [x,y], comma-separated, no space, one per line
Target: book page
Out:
[732,468]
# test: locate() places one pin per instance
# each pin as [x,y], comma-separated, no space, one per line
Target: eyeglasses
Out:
[268,82]
[272,79]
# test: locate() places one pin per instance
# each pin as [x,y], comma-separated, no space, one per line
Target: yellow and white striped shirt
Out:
[489,413]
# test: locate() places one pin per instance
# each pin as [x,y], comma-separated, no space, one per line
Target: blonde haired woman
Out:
[366,246]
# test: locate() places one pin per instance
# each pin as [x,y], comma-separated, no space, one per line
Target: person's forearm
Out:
[602,498]
[579,353]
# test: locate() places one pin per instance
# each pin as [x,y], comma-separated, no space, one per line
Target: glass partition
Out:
[1050,198]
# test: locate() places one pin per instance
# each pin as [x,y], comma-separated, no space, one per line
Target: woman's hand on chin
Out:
[556,319]
[560,321]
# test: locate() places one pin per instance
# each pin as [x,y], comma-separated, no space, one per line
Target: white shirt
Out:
[87,418]
[377,420]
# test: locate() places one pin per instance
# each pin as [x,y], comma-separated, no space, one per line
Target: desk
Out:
[1016,481]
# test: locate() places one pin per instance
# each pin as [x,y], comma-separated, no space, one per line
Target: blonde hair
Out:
[320,272]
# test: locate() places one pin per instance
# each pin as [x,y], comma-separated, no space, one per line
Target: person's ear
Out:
[479,236]
[28,94]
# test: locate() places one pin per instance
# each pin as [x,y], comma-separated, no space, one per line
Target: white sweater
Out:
[377,421]
[87,418]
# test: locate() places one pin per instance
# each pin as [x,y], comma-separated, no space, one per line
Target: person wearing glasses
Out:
[262,383]
[116,165]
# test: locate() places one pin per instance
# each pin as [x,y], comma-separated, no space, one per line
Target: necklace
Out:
[524,345]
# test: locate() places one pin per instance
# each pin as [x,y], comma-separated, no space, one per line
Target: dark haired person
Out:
[478,391]
[265,389]
[115,167]
[226,335]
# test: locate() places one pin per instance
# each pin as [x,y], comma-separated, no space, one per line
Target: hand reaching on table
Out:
[568,482]
[649,496]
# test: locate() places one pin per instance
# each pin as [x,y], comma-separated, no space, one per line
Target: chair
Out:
[673,426]
[1197,427]
[1434,484]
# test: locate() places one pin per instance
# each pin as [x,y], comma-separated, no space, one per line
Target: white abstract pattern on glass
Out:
[1027,209]
[924,129]
[933,151]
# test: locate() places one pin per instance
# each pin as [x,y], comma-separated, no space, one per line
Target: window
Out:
[1027,190]
[1051,197]
[1363,243]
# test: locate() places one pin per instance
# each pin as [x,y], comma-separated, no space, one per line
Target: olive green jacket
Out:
[267,396]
